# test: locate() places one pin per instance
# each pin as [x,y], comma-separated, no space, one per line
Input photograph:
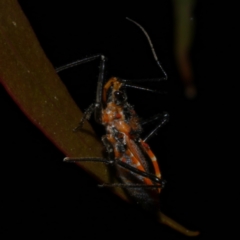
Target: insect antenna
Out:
[151,45]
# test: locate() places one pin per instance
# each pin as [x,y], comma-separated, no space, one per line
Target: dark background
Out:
[42,196]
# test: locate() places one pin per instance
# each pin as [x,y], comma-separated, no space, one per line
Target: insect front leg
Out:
[97,106]
[79,62]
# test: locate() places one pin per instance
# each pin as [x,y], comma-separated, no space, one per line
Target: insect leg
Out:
[130,84]
[107,161]
[87,159]
[86,116]
[101,77]
[151,176]
[78,62]
[164,118]
[144,80]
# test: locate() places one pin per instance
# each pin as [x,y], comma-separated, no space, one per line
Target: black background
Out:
[42,196]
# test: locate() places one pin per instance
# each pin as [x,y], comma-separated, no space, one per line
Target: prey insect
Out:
[135,164]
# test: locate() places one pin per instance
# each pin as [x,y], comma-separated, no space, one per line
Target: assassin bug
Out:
[135,163]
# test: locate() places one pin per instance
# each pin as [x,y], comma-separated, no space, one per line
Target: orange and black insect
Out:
[135,164]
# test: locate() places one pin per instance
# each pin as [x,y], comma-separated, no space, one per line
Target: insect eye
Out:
[120,97]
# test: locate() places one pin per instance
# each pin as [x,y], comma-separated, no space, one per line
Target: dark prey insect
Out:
[135,164]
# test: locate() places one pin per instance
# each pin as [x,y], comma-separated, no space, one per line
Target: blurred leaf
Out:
[184,28]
